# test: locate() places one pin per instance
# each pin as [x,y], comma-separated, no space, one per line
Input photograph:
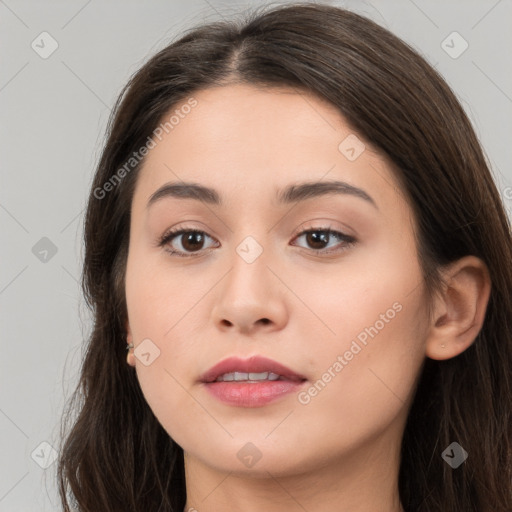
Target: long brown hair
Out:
[116,456]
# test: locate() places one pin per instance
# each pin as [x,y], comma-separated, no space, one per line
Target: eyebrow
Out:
[291,194]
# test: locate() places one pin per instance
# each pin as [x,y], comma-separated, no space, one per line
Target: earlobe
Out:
[459,309]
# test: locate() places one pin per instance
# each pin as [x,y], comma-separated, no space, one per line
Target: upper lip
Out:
[254,364]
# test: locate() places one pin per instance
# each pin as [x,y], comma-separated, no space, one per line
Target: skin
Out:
[340,451]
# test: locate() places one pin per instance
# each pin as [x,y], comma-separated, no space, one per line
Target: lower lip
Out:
[252,394]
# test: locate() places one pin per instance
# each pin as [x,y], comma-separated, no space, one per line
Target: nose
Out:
[251,297]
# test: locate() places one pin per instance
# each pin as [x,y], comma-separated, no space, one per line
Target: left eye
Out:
[318,237]
[194,240]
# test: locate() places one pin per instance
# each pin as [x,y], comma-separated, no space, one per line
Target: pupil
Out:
[191,239]
[314,239]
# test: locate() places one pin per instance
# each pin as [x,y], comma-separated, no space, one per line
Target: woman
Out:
[294,231]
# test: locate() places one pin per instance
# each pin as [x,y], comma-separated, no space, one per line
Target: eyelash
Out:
[168,236]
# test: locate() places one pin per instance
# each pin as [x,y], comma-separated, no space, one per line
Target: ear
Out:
[459,309]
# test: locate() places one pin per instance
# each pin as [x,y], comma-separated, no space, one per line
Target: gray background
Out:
[54,111]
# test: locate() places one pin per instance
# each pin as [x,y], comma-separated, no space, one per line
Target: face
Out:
[327,284]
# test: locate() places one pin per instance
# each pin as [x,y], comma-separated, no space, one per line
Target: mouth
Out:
[249,377]
[252,382]
[254,369]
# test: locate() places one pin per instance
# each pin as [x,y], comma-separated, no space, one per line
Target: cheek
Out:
[159,297]
[160,305]
[361,388]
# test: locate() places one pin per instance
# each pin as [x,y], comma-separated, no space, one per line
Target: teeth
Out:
[242,376]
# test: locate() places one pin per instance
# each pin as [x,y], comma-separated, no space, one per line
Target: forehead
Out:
[251,141]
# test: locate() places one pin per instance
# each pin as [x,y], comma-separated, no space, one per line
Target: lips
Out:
[255,364]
